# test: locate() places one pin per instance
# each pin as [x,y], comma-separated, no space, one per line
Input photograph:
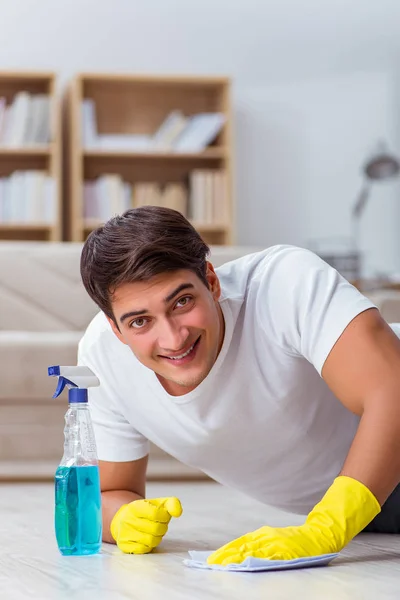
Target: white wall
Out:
[303,144]
[314,88]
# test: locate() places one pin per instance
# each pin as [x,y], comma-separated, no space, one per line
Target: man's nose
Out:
[172,336]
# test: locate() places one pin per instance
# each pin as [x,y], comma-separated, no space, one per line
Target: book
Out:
[200,131]
[19,119]
[169,131]
[124,141]
[27,197]
[25,121]
[88,123]
[175,196]
[105,197]
[3,104]
[208,196]
[39,130]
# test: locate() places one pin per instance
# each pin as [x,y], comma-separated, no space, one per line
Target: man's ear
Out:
[213,282]
[115,329]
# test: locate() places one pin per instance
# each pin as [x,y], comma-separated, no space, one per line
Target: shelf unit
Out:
[42,157]
[133,104]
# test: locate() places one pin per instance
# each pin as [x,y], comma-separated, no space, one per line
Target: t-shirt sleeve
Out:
[116,439]
[305,304]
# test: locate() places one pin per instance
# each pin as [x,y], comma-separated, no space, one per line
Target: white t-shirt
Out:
[263,421]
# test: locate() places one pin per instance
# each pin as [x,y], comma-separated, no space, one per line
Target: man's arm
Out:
[121,483]
[363,371]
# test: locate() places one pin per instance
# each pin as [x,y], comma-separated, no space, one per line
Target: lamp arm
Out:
[361,201]
[356,213]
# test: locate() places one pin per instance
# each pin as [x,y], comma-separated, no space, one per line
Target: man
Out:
[272,374]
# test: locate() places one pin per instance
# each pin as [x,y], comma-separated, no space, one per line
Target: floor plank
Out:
[31,567]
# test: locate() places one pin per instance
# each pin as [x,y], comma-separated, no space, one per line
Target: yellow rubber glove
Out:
[347,507]
[139,526]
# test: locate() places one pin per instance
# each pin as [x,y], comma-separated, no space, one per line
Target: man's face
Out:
[173,324]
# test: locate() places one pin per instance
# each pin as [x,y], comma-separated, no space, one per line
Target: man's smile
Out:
[183,357]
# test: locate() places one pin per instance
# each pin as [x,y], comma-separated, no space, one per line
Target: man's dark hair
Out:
[136,246]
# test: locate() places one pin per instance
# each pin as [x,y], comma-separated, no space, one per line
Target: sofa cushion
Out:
[24,358]
[41,288]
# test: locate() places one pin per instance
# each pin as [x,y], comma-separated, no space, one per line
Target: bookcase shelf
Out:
[213,233]
[25,232]
[44,157]
[25,226]
[90,224]
[208,154]
[26,151]
[131,105]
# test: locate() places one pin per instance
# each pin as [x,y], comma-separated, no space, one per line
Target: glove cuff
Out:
[347,508]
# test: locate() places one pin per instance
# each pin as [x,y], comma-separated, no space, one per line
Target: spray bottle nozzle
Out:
[74,377]
[62,382]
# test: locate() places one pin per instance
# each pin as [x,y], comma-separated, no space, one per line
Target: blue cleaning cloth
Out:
[198,560]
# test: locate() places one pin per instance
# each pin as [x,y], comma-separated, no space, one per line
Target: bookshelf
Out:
[134,106]
[30,157]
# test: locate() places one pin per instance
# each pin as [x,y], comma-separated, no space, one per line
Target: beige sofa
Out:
[44,310]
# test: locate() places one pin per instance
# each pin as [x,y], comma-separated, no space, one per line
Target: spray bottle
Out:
[78,521]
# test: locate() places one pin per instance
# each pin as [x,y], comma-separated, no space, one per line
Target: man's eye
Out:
[138,323]
[183,301]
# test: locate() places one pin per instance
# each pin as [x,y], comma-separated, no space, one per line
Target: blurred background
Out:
[315,87]
[265,121]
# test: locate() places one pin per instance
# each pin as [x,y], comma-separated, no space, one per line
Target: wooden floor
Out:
[31,567]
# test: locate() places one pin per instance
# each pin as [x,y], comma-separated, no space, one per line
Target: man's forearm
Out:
[374,456]
[363,371]
[111,502]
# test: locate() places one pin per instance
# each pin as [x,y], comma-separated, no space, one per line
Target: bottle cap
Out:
[77,395]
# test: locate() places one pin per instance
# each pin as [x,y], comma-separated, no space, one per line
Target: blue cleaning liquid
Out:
[78,521]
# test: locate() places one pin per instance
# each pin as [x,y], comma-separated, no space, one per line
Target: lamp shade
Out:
[382,166]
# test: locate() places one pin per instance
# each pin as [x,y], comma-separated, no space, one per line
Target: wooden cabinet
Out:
[136,106]
[28,161]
